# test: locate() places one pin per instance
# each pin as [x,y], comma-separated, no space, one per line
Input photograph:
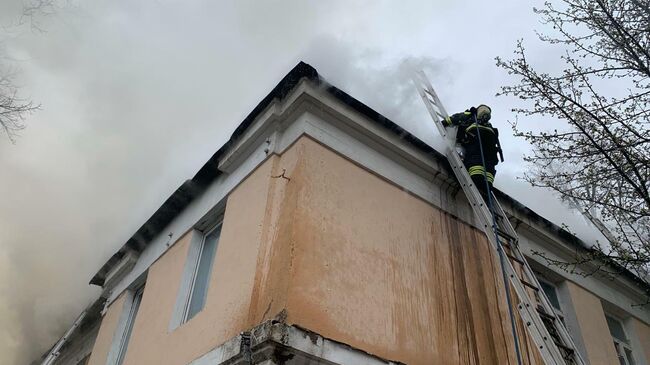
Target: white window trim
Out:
[128,329]
[117,342]
[624,343]
[206,233]
[179,315]
[625,346]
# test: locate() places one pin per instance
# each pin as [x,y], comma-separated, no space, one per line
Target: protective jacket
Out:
[467,136]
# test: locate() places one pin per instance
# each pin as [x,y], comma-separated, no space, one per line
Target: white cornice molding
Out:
[309,110]
[619,291]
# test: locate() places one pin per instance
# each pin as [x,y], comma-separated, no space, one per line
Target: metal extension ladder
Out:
[544,327]
[56,350]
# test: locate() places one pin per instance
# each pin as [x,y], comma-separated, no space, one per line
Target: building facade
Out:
[323,233]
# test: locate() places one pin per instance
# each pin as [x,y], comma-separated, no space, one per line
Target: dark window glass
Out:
[616,328]
[551,293]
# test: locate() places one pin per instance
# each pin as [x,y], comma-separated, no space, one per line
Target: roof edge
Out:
[195,186]
[192,188]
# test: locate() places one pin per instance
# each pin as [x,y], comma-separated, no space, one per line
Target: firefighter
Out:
[471,124]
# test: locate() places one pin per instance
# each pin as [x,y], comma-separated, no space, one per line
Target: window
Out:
[552,294]
[202,270]
[621,342]
[133,312]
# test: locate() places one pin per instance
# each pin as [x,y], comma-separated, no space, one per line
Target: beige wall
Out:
[106,332]
[239,295]
[381,270]
[642,332]
[228,300]
[349,256]
[590,318]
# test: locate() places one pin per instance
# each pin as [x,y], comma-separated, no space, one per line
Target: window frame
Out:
[126,323]
[134,308]
[621,345]
[195,270]
[559,312]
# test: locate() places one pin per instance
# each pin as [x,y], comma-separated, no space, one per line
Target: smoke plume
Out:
[137,95]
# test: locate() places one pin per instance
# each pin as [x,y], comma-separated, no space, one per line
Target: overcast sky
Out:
[137,95]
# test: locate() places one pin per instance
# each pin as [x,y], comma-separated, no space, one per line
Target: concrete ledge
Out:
[276,343]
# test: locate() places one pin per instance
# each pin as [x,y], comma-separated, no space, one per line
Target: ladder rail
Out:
[546,303]
[499,210]
[423,87]
[528,310]
[55,352]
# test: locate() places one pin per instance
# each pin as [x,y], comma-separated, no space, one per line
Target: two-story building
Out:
[323,233]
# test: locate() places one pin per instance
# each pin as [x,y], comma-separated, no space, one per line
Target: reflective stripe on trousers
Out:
[480,170]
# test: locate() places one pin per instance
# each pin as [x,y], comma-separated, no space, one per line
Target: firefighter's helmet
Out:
[483,113]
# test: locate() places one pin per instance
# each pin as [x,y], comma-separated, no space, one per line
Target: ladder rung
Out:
[563,347]
[499,217]
[502,233]
[435,111]
[434,107]
[545,315]
[530,285]
[521,262]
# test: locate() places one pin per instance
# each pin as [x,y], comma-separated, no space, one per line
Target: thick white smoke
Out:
[137,95]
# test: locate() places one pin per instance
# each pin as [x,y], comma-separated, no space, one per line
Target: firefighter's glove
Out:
[472,110]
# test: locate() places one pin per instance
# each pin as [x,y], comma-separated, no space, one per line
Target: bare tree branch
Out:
[13,108]
[601,162]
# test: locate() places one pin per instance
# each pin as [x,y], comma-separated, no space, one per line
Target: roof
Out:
[194,187]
